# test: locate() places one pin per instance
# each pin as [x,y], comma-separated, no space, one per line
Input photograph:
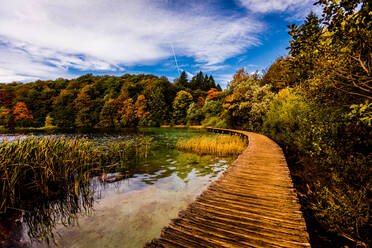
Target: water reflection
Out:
[41,220]
[38,220]
[124,206]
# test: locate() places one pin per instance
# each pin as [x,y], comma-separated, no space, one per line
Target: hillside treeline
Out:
[102,101]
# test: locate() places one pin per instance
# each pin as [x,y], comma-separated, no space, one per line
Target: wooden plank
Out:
[252,204]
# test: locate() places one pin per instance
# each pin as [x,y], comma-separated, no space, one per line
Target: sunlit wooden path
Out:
[252,204]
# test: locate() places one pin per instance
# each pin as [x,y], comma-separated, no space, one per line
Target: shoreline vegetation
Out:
[35,168]
[219,144]
[54,129]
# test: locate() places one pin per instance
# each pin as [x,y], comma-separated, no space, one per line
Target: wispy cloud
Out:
[223,79]
[266,6]
[299,8]
[18,65]
[51,37]
[212,68]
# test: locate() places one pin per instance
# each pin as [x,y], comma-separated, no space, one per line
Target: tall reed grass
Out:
[221,144]
[35,169]
[135,148]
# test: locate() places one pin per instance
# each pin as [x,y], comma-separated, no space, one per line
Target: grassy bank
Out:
[222,145]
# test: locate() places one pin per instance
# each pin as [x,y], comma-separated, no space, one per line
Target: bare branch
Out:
[361,64]
[352,93]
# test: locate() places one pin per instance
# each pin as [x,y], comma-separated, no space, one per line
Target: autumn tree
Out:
[247,103]
[108,117]
[127,113]
[240,75]
[279,74]
[141,107]
[212,108]
[6,117]
[194,115]
[84,109]
[180,105]
[7,98]
[48,121]
[200,103]
[64,112]
[212,93]
[160,98]
[22,116]
[349,43]
[39,98]
[142,112]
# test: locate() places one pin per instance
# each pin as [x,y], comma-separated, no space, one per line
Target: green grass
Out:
[222,144]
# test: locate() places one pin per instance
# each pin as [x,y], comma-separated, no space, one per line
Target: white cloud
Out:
[210,68]
[109,34]
[189,75]
[223,79]
[18,65]
[266,6]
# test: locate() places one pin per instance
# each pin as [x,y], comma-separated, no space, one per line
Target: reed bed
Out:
[135,148]
[48,179]
[36,169]
[221,144]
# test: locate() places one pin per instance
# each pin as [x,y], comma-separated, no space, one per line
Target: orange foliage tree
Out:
[141,107]
[22,116]
[239,76]
[127,113]
[212,93]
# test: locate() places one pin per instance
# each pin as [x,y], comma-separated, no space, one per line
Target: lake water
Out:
[128,207]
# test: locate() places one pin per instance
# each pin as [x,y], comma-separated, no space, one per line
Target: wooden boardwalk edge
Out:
[252,204]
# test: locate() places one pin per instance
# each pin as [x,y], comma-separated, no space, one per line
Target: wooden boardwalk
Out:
[252,204]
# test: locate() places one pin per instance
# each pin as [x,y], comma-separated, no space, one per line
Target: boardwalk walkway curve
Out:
[252,204]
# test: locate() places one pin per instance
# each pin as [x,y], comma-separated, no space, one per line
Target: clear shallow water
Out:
[131,206]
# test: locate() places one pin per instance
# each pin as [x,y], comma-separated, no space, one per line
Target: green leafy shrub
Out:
[214,122]
[246,105]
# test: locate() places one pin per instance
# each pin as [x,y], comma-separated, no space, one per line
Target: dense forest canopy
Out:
[102,101]
[315,103]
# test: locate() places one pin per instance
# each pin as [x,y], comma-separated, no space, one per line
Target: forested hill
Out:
[101,101]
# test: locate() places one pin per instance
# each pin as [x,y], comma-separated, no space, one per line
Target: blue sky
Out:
[43,39]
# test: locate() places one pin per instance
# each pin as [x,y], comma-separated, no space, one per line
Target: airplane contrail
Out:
[175,59]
